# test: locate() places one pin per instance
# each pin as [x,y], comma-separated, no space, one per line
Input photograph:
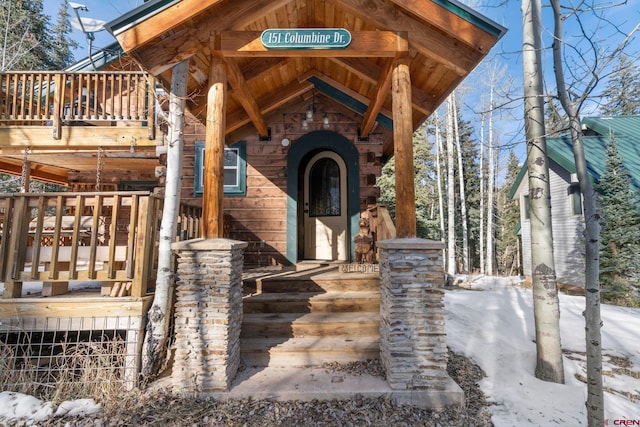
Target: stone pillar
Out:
[413,345]
[208,313]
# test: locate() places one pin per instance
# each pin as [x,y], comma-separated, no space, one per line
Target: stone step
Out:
[307,351]
[274,325]
[312,302]
[326,282]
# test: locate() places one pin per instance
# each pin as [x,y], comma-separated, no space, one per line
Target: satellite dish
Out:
[78,6]
[88,25]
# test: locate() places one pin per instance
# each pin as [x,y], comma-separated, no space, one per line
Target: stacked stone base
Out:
[208,313]
[413,346]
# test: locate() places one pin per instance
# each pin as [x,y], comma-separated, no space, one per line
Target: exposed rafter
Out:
[382,90]
[244,97]
[433,44]
[370,72]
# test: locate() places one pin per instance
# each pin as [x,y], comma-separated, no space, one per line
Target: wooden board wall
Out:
[260,217]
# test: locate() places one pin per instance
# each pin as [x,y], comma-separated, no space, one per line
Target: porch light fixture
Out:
[325,121]
[285,141]
[312,108]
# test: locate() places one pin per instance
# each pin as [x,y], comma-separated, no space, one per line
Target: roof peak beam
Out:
[364,44]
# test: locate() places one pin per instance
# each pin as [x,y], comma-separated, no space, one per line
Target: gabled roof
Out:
[443,39]
[618,126]
[626,132]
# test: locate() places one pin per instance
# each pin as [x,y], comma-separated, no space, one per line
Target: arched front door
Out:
[325,213]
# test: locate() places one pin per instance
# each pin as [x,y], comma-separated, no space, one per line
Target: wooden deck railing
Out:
[40,98]
[101,237]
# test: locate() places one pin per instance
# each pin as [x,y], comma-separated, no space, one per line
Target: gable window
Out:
[235,169]
[575,197]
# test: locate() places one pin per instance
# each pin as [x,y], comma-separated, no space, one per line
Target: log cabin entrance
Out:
[325,208]
[312,161]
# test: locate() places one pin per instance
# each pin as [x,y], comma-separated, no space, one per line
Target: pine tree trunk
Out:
[451,195]
[593,320]
[463,200]
[546,307]
[155,344]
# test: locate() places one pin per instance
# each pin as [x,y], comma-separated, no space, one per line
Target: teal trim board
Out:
[297,156]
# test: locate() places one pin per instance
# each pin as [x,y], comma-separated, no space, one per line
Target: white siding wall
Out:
[568,239]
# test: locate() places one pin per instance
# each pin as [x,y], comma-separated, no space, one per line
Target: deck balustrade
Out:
[110,238]
[58,99]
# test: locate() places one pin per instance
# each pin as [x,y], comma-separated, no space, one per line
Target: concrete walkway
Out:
[309,383]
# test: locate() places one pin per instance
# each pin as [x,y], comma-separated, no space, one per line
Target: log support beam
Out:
[212,198]
[403,149]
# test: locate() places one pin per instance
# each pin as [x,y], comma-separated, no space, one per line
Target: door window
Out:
[324,189]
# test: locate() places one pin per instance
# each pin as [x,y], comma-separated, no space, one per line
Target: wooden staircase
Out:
[309,319]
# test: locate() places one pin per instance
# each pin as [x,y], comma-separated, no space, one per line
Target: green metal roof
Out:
[101,58]
[626,131]
[619,126]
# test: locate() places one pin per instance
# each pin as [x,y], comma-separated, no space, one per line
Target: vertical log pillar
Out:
[213,183]
[403,149]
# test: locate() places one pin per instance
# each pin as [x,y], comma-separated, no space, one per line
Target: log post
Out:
[213,182]
[403,149]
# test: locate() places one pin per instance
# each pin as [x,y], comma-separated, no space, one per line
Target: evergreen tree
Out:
[9,183]
[620,234]
[509,216]
[622,94]
[24,37]
[471,176]
[63,45]
[426,197]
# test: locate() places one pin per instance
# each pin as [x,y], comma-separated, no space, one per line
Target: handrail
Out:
[60,98]
[381,223]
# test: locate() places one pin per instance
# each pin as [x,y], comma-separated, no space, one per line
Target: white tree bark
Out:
[463,200]
[451,195]
[593,320]
[482,179]
[155,343]
[436,123]
[546,307]
[490,185]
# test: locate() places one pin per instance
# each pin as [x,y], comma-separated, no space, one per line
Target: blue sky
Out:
[105,10]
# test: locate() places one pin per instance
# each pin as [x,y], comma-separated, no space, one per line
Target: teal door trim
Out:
[297,156]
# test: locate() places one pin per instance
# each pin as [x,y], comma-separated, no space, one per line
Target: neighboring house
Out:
[566,200]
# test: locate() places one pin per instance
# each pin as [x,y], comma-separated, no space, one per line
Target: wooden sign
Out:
[306,38]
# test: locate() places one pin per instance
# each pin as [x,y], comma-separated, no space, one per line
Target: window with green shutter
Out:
[235,169]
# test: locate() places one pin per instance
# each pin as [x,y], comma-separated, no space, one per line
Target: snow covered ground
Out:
[493,325]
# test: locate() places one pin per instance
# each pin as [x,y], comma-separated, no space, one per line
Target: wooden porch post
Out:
[403,149]
[213,181]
